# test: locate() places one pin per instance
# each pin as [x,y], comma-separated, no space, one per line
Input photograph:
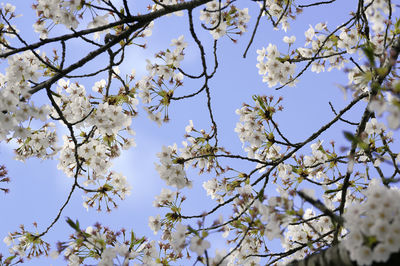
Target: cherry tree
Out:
[333,205]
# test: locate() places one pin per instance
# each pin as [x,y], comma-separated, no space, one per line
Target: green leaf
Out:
[349,136]
[192,230]
[132,236]
[259,99]
[74,225]
[356,140]
[261,195]
[9,259]
[397,24]
[106,188]
[140,241]
[369,53]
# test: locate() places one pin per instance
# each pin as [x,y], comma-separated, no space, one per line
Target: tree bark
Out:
[338,256]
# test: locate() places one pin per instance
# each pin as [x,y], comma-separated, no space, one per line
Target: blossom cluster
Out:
[272,69]
[162,80]
[116,246]
[298,235]
[107,243]
[40,143]
[269,216]
[98,21]
[251,129]
[164,3]
[224,22]
[59,12]
[275,10]
[18,108]
[8,30]
[25,244]
[376,14]
[172,173]
[177,239]
[105,121]
[389,104]
[374,225]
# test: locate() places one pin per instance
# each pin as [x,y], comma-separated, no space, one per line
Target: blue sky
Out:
[38,189]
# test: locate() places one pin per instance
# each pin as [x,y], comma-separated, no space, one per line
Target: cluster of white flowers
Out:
[359,77]
[197,145]
[250,245]
[272,69]
[171,60]
[150,252]
[275,10]
[8,30]
[178,237]
[222,22]
[110,119]
[219,254]
[298,235]
[17,107]
[145,85]
[269,153]
[357,82]
[107,257]
[94,239]
[98,21]
[167,196]
[199,245]
[212,188]
[285,171]
[75,105]
[155,223]
[175,234]
[191,149]
[374,225]
[8,8]
[40,143]
[348,40]
[120,184]
[374,127]
[21,68]
[272,214]
[94,154]
[159,75]
[18,247]
[173,174]
[389,104]
[168,3]
[116,183]
[249,129]
[111,253]
[59,11]
[317,38]
[377,12]
[318,155]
